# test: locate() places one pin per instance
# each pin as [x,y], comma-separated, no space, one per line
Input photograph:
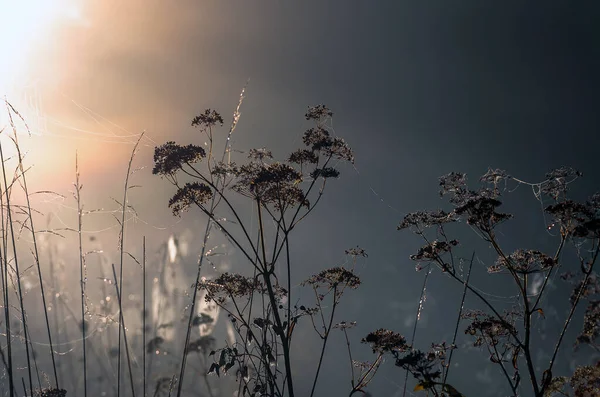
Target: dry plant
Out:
[262,313]
[506,334]
[282,194]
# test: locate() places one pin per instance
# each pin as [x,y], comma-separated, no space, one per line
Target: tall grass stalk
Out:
[144,315]
[5,296]
[82,280]
[417,318]
[122,325]
[23,181]
[16,262]
[124,207]
[460,312]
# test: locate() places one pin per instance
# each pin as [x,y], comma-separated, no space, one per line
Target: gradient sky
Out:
[418,89]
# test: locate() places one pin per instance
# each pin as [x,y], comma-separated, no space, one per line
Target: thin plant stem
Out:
[35,247]
[500,362]
[271,295]
[81,271]
[460,310]
[16,261]
[5,296]
[367,376]
[349,357]
[144,315]
[122,325]
[121,254]
[325,339]
[588,273]
[417,315]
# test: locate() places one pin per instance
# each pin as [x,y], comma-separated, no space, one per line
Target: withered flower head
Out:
[480,209]
[207,119]
[334,277]
[229,285]
[453,183]
[557,181]
[490,329]
[271,183]
[53,393]
[494,177]
[524,262]
[317,138]
[578,219]
[433,250]
[591,324]
[260,154]
[170,157]
[426,219]
[354,252]
[340,150]
[318,113]
[326,172]
[386,341]
[586,380]
[345,325]
[303,156]
[191,193]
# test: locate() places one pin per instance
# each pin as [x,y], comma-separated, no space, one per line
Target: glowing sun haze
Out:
[31,33]
[23,24]
[26,26]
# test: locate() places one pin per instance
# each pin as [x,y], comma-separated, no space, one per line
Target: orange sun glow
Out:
[24,27]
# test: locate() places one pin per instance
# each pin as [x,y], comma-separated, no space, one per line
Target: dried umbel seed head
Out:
[318,139]
[190,194]
[557,181]
[433,250]
[422,219]
[232,285]
[386,341]
[53,393]
[170,157]
[318,113]
[453,183]
[303,156]
[494,177]
[345,325]
[208,119]
[489,329]
[591,324]
[578,219]
[275,184]
[524,262]
[480,209]
[229,285]
[354,252]
[586,380]
[326,172]
[333,278]
[260,154]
